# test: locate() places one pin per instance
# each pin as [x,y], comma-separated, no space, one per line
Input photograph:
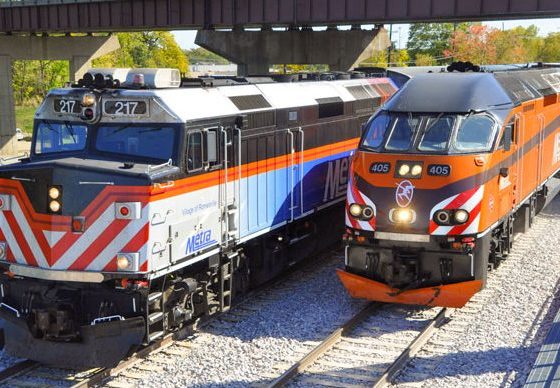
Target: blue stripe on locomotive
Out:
[266,200]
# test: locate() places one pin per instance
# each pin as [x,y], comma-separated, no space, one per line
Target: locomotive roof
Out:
[188,104]
[466,92]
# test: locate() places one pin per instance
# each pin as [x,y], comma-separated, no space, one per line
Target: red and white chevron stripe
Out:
[356,196]
[471,201]
[52,245]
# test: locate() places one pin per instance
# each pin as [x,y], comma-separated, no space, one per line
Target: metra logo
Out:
[337,179]
[199,241]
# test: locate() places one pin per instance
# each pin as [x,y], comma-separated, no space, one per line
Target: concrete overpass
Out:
[24,16]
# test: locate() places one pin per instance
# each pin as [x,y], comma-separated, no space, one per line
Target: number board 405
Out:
[125,108]
[439,170]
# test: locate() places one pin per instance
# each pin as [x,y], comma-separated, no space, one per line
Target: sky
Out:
[400,31]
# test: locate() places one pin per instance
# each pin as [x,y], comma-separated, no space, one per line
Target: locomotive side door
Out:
[230,183]
[296,173]
[508,177]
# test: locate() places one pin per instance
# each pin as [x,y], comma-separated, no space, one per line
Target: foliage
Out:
[146,49]
[425,60]
[429,39]
[379,59]
[291,69]
[33,79]
[24,118]
[550,50]
[476,44]
[202,56]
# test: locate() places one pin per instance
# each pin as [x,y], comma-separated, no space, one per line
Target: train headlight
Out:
[54,206]
[461,216]
[367,213]
[355,210]
[402,216]
[404,169]
[122,262]
[3,250]
[88,99]
[128,262]
[54,193]
[442,217]
[416,170]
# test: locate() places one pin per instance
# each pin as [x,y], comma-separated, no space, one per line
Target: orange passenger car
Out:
[446,173]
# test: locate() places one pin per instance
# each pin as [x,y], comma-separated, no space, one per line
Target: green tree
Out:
[518,45]
[146,49]
[429,39]
[201,55]
[550,51]
[425,60]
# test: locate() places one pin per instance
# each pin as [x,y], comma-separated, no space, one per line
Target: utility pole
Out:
[390,45]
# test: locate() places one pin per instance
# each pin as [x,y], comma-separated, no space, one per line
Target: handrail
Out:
[291,134]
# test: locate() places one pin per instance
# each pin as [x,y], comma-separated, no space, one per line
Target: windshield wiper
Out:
[49,127]
[435,122]
[70,129]
[120,129]
[151,130]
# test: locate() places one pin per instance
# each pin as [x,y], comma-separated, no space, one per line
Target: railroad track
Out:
[30,374]
[361,352]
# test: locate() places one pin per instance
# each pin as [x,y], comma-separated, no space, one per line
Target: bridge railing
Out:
[22,3]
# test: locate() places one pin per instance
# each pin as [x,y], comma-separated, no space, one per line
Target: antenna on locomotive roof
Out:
[463,67]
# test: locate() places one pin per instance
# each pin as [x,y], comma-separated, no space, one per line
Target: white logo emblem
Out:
[404,193]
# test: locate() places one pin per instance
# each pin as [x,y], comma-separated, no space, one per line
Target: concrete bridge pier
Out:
[255,51]
[79,51]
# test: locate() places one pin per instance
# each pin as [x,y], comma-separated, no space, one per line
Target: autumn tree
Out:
[518,45]
[476,44]
[425,60]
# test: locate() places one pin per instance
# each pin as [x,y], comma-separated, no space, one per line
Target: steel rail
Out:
[402,361]
[17,369]
[325,345]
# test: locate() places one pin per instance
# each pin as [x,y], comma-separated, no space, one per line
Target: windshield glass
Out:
[375,131]
[60,137]
[437,133]
[475,134]
[402,135]
[154,142]
[442,133]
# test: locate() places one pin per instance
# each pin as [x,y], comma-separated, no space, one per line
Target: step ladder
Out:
[226,285]
[155,328]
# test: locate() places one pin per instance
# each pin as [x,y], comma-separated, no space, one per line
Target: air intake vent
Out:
[330,107]
[256,101]
[358,92]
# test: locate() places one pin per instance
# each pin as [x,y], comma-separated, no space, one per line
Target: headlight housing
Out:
[449,217]
[410,170]
[362,212]
[402,216]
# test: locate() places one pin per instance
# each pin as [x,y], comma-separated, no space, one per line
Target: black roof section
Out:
[466,92]
[449,92]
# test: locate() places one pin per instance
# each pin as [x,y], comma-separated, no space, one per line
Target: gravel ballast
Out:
[504,325]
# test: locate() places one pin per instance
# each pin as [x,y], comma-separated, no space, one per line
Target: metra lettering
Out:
[337,179]
[199,241]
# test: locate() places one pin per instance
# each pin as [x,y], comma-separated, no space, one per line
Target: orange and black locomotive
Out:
[445,174]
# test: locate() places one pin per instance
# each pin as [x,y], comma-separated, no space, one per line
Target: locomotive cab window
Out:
[375,130]
[437,133]
[403,133]
[475,134]
[194,151]
[60,137]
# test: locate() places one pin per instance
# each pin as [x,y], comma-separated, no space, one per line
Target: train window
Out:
[475,134]
[437,133]
[375,131]
[211,142]
[141,141]
[60,137]
[402,135]
[194,151]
